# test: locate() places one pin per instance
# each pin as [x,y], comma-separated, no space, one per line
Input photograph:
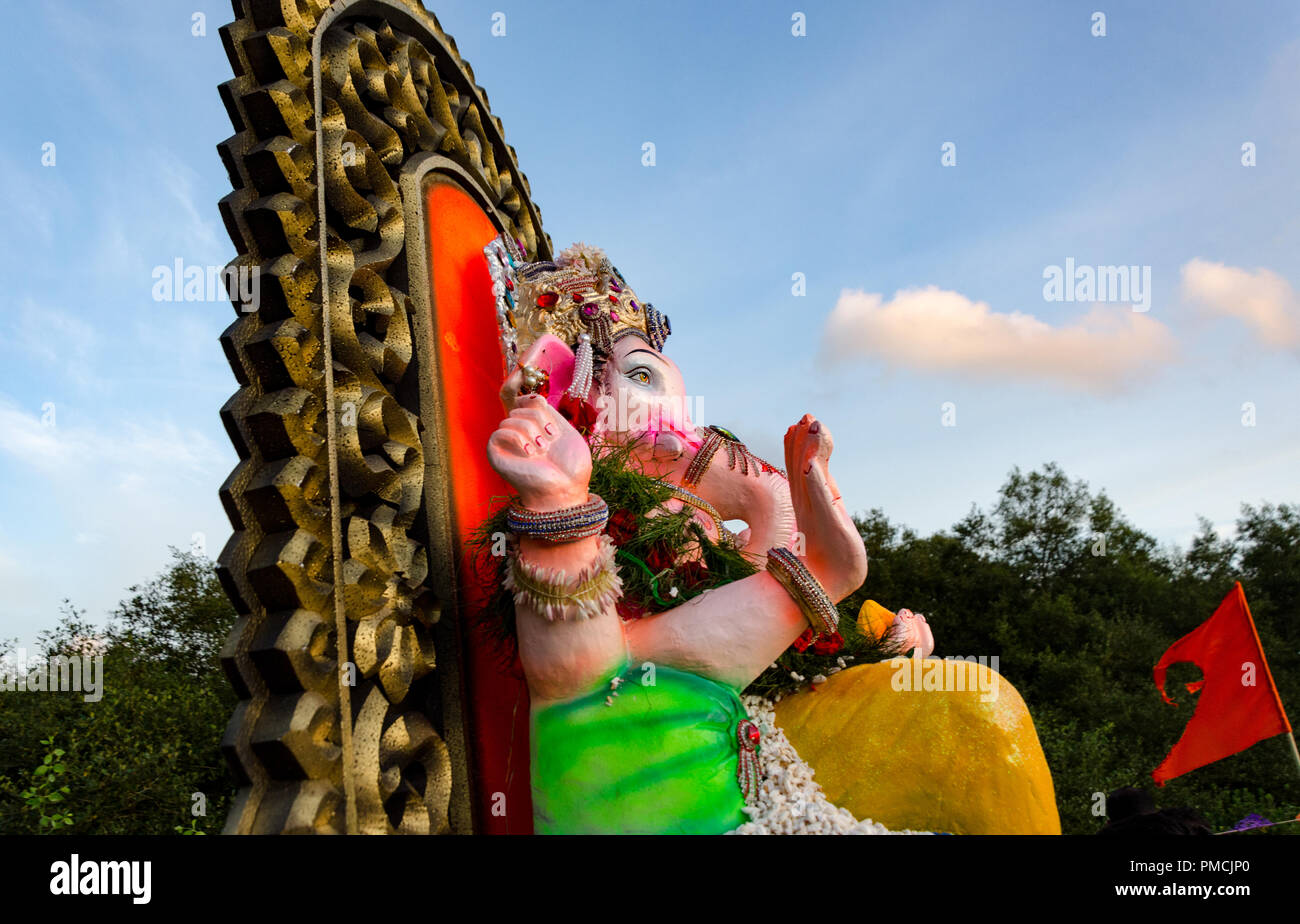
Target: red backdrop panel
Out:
[470,367]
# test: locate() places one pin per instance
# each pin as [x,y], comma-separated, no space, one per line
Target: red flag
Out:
[1239,704]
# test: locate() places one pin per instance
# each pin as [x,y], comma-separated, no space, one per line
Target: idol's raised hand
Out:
[833,550]
[541,455]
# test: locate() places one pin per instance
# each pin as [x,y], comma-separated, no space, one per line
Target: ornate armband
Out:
[550,593]
[566,525]
[806,590]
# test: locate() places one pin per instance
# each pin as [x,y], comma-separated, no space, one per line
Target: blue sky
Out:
[774,155]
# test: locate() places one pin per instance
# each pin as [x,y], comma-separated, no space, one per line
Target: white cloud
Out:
[112,494]
[1262,300]
[127,449]
[52,337]
[935,330]
[196,232]
[30,204]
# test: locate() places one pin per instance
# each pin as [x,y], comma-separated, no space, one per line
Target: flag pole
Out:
[1295,751]
[1290,733]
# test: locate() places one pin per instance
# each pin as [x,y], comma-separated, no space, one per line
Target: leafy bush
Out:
[135,758]
[45,794]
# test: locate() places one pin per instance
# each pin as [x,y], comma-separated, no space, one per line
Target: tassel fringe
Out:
[548,592]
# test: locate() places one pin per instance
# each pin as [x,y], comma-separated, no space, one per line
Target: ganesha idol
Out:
[638,725]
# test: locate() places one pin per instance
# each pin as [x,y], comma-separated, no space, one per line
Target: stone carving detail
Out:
[392,87]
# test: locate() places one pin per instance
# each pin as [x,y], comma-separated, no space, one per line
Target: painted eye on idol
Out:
[640,375]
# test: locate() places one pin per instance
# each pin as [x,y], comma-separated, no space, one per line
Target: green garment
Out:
[660,760]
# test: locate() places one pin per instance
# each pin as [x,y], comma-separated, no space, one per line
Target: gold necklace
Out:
[725,536]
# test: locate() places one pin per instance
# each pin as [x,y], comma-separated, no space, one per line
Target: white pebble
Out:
[789,801]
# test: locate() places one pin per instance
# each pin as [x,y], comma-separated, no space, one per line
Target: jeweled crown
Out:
[579,292]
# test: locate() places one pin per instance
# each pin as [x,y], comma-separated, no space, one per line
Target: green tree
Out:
[135,758]
[1078,604]
[46,795]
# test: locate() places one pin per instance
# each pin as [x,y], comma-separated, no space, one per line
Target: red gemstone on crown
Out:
[547,300]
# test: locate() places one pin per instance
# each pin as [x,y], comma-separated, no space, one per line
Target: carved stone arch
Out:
[344,556]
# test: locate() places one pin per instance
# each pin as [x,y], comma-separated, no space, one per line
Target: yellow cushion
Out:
[898,750]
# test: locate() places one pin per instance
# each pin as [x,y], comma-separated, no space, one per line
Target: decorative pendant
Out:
[747,767]
[583,368]
[738,456]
